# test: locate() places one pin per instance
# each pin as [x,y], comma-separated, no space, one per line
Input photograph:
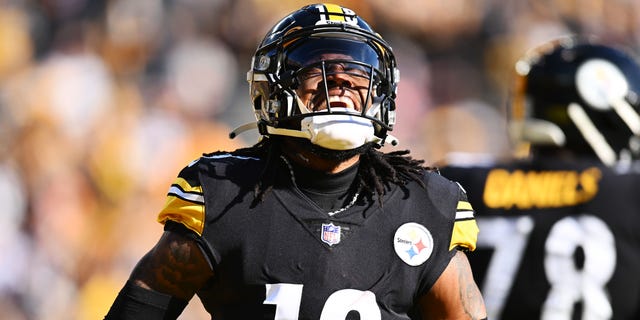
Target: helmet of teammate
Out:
[580,96]
[320,37]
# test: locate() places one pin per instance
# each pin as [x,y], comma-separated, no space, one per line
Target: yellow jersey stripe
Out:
[464,205]
[176,191]
[464,211]
[185,205]
[465,234]
[188,213]
[186,187]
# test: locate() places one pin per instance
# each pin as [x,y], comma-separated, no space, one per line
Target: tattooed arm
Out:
[164,280]
[175,266]
[455,294]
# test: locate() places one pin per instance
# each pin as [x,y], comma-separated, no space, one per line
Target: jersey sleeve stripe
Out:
[189,214]
[464,211]
[465,228]
[177,191]
[185,205]
[464,205]
[465,234]
[464,215]
[186,186]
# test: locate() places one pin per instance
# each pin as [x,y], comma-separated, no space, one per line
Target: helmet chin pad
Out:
[333,131]
[339,131]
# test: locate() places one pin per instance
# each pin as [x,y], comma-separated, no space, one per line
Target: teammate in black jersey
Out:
[560,228]
[313,222]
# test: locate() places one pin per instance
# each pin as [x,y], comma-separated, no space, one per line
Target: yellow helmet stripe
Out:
[334,12]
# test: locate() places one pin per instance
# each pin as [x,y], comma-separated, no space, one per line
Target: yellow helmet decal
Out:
[335,12]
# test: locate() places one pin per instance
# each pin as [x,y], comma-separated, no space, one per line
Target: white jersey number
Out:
[508,237]
[570,285]
[287,296]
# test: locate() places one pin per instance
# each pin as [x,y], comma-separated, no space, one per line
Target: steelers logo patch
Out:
[413,243]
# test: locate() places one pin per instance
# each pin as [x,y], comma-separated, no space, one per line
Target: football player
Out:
[312,222]
[560,226]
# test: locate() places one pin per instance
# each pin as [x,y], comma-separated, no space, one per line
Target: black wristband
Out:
[135,302]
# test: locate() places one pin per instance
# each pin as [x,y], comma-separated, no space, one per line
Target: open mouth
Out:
[341,102]
[344,103]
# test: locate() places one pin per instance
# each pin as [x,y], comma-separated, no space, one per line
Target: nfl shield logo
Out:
[330,234]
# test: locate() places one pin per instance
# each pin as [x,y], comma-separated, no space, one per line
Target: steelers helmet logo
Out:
[413,243]
[601,83]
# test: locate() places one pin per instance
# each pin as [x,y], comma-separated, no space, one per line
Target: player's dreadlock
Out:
[377,170]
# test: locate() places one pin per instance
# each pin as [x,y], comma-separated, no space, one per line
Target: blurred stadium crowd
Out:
[103,102]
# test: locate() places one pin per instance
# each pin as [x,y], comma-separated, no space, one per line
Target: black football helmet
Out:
[578,95]
[292,47]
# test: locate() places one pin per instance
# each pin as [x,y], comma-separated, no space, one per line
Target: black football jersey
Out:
[284,258]
[558,240]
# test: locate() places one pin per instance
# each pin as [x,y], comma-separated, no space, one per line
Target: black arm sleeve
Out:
[134,302]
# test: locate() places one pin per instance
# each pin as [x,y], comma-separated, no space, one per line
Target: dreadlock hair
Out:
[377,170]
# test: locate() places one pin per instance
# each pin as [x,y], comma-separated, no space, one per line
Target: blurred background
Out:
[103,102]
